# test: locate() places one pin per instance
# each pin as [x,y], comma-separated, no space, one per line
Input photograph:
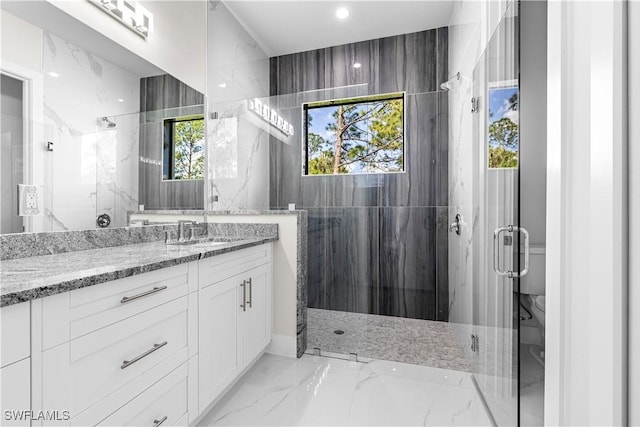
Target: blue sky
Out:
[321,117]
[499,104]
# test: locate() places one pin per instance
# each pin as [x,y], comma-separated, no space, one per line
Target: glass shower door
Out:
[498,238]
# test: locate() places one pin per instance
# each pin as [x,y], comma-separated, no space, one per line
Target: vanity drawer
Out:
[15,329]
[164,402]
[101,371]
[222,267]
[70,315]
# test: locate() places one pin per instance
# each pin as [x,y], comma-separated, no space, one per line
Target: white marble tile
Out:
[82,89]
[239,160]
[117,169]
[390,400]
[324,391]
[283,391]
[423,373]
[222,152]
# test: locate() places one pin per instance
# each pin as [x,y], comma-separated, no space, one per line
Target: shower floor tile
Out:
[281,391]
[414,341]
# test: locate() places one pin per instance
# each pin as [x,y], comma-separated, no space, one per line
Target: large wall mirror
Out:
[83,120]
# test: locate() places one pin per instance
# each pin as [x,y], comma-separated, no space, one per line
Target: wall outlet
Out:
[30,200]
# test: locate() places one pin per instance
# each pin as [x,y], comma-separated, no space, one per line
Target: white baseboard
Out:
[283,345]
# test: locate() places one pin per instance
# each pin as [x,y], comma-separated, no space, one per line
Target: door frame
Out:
[33,132]
[587,214]
[633,49]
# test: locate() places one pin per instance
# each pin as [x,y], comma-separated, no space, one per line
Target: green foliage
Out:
[500,157]
[366,137]
[189,149]
[503,144]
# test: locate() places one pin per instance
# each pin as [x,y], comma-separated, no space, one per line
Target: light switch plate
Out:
[30,200]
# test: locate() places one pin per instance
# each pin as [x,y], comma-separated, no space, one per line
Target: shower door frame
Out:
[495,320]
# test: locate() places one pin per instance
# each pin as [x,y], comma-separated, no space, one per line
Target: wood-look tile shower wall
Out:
[157,94]
[377,243]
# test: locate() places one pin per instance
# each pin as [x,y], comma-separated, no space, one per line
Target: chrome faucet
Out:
[201,229]
[182,227]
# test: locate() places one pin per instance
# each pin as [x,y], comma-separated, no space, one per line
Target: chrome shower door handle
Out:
[525,235]
[496,251]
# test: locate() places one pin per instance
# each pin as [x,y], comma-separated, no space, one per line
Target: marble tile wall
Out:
[79,88]
[377,243]
[163,97]
[238,144]
[117,169]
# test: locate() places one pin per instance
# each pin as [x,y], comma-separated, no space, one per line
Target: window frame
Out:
[168,145]
[391,96]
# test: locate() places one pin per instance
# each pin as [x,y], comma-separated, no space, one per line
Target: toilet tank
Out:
[533,282]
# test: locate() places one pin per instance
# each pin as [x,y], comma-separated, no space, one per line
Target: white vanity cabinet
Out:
[155,348]
[108,350]
[234,317]
[15,365]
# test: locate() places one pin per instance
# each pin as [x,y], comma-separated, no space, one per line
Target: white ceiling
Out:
[283,27]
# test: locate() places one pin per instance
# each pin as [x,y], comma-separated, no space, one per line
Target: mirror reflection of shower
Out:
[104,121]
[446,86]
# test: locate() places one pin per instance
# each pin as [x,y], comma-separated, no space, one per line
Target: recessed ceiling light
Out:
[357,65]
[222,85]
[54,74]
[120,100]
[342,13]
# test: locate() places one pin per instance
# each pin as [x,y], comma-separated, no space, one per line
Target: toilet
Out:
[537,309]
[533,286]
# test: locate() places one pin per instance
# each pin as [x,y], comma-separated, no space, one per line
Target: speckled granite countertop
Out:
[24,279]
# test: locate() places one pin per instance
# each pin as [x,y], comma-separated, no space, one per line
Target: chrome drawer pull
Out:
[125,300]
[156,423]
[244,295]
[250,302]
[127,363]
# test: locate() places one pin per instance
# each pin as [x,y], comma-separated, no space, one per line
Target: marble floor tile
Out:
[312,390]
[414,341]
[280,391]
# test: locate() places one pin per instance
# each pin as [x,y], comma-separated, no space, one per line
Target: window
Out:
[355,135]
[183,148]
[504,135]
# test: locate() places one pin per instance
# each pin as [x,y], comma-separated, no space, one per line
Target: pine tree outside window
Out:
[183,148]
[361,135]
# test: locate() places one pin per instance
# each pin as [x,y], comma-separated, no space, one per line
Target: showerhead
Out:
[109,123]
[446,86]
